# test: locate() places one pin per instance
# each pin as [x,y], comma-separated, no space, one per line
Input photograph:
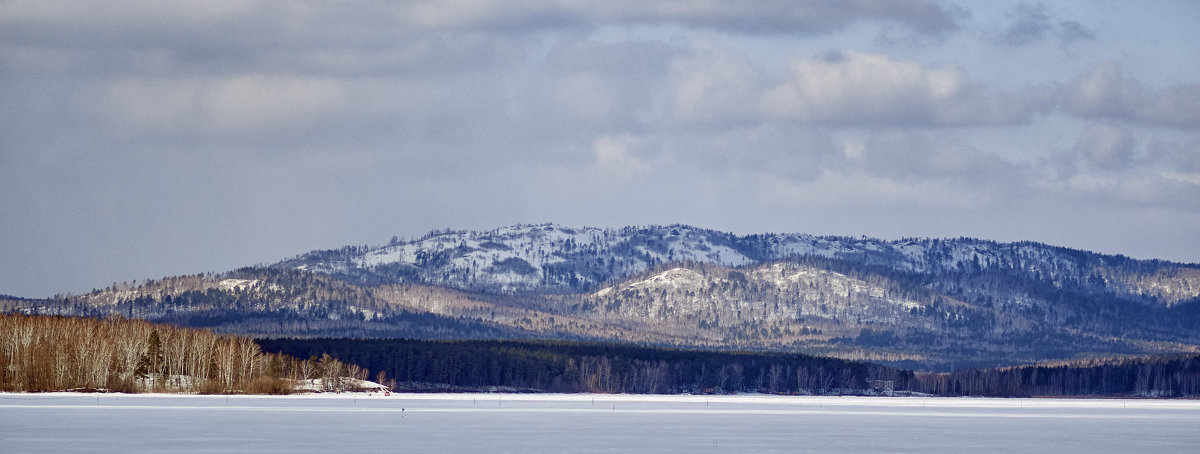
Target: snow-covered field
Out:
[493,423]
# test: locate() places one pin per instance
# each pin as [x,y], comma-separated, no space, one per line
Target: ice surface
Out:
[494,423]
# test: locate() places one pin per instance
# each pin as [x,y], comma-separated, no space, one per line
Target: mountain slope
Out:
[817,306]
[548,258]
[923,303]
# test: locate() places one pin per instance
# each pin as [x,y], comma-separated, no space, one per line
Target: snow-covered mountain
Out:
[526,258]
[926,303]
[549,258]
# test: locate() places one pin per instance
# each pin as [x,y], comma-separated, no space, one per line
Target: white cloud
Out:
[854,88]
[616,155]
[843,88]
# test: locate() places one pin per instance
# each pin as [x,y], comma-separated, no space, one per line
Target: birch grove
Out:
[52,353]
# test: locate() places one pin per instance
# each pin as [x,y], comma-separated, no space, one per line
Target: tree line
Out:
[49,353]
[1176,375]
[53,353]
[571,367]
[565,366]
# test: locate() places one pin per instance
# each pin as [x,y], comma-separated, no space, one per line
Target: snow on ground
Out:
[674,279]
[318,385]
[497,423]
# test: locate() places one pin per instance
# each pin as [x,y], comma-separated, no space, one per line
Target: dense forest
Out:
[1153,376]
[50,353]
[555,366]
[558,366]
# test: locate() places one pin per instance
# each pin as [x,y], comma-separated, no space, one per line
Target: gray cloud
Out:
[1108,92]
[1187,156]
[773,16]
[1137,192]
[1181,158]
[366,22]
[714,85]
[1071,31]
[1106,147]
[1032,23]
[777,149]
[908,156]
[585,87]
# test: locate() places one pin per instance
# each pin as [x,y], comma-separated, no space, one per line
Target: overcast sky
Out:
[144,140]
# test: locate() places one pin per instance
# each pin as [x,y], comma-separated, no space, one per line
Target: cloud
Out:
[714,85]
[584,87]
[1106,147]
[843,88]
[1071,31]
[1135,190]
[849,87]
[770,16]
[167,38]
[239,104]
[1179,158]
[1107,167]
[1187,156]
[1107,92]
[1031,23]
[772,148]
[257,129]
[200,29]
[909,156]
[616,155]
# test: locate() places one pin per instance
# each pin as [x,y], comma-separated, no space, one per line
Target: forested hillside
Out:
[923,304]
[812,305]
[847,310]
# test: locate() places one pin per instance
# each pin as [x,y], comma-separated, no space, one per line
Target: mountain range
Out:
[929,304]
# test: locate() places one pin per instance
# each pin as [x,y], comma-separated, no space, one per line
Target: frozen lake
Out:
[491,423]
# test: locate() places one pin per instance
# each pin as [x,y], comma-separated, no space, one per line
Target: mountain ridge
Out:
[919,303]
[514,266]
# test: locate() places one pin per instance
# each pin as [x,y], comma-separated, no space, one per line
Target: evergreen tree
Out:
[151,361]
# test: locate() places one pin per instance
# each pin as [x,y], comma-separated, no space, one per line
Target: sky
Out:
[147,139]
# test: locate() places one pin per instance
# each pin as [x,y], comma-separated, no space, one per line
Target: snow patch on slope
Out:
[237,284]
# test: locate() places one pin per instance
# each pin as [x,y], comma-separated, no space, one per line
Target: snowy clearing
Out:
[495,423]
